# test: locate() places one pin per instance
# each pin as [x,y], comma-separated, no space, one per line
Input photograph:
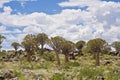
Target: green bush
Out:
[69,65]
[58,76]
[17,74]
[73,64]
[2,54]
[48,57]
[112,76]
[89,73]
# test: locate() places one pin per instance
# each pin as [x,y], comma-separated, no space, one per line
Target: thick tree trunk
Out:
[0,48]
[28,56]
[42,49]
[57,58]
[97,59]
[94,55]
[118,54]
[66,57]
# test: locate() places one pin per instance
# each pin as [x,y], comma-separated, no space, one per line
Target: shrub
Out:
[69,65]
[58,76]
[48,57]
[73,64]
[3,53]
[17,74]
[112,76]
[89,73]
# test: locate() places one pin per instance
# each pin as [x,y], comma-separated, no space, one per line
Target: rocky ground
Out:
[83,68]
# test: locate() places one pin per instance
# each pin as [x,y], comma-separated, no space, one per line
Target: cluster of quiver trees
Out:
[35,44]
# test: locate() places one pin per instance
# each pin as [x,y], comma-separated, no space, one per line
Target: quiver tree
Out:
[55,44]
[79,45]
[116,45]
[1,40]
[15,45]
[66,48]
[96,46]
[28,44]
[106,49]
[42,39]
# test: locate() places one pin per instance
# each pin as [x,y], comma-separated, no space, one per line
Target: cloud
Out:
[7,10]
[2,2]
[73,24]
[80,3]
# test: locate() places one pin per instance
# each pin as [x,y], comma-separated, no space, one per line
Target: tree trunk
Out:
[28,56]
[57,58]
[66,57]
[94,55]
[118,54]
[0,48]
[97,59]
[42,49]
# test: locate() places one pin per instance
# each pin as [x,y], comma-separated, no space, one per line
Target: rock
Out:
[8,75]
[106,62]
[116,71]
[2,78]
[100,77]
[67,76]
[16,78]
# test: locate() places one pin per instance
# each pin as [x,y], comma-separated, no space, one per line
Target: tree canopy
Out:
[42,39]
[1,40]
[15,45]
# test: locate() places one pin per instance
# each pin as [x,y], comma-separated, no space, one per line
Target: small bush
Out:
[48,57]
[73,64]
[17,74]
[2,54]
[89,73]
[113,76]
[70,65]
[58,76]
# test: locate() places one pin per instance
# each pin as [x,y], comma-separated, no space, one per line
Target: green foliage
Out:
[96,45]
[1,40]
[48,57]
[17,74]
[108,57]
[112,76]
[3,53]
[67,46]
[89,73]
[73,64]
[15,45]
[116,45]
[79,45]
[42,39]
[58,76]
[55,42]
[85,50]
[29,42]
[69,65]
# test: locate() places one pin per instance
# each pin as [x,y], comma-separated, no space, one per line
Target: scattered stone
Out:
[16,78]
[100,77]
[67,76]
[8,75]
[2,78]
[107,62]
[116,71]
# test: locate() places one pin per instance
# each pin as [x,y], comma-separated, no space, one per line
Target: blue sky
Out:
[72,19]
[27,7]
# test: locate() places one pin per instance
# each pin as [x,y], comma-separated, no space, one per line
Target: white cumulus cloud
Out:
[99,19]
